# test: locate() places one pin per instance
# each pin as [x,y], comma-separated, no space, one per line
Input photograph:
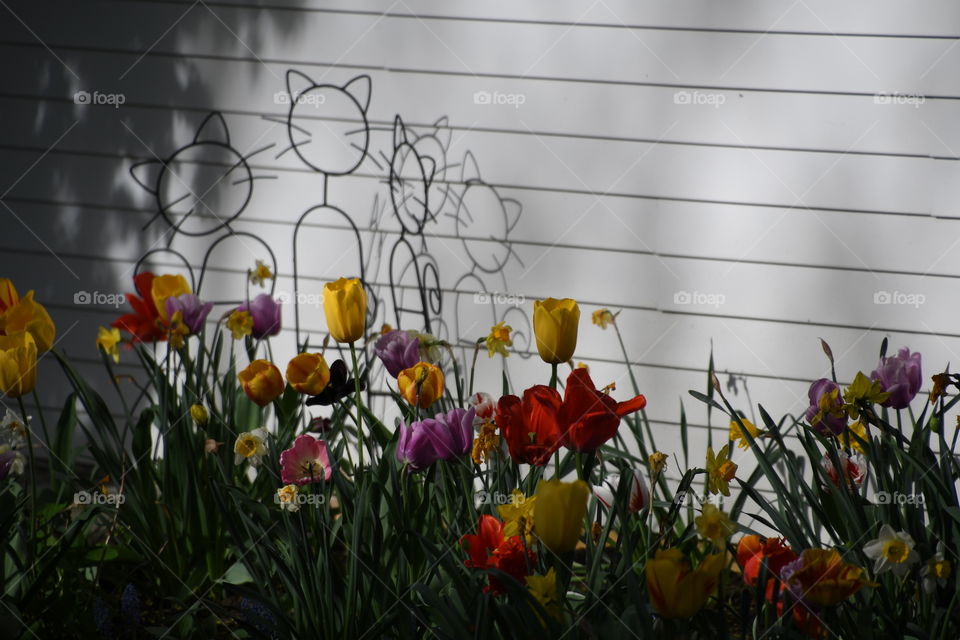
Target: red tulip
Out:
[144,323]
[589,417]
[530,426]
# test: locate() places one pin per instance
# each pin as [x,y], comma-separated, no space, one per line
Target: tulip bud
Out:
[308,373]
[555,324]
[558,513]
[164,287]
[199,414]
[345,305]
[18,364]
[261,381]
[421,385]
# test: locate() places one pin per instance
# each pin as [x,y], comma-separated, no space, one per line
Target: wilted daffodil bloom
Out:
[558,513]
[260,274]
[421,385]
[657,462]
[261,381]
[164,287]
[498,340]
[936,571]
[544,590]
[714,525]
[308,373]
[820,578]
[287,498]
[737,434]
[676,591]
[109,341]
[240,323]
[18,364]
[345,305]
[250,446]
[720,470]
[603,318]
[555,325]
[30,316]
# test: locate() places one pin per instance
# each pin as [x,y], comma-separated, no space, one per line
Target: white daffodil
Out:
[287,497]
[892,551]
[250,446]
[936,571]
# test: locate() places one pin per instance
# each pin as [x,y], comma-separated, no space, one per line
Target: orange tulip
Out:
[261,381]
[308,373]
[421,384]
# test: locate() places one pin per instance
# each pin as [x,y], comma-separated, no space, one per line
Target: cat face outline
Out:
[484,220]
[202,186]
[327,124]
[411,176]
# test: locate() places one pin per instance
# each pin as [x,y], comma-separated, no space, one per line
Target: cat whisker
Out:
[384,156]
[291,147]
[364,152]
[252,178]
[290,123]
[355,132]
[260,150]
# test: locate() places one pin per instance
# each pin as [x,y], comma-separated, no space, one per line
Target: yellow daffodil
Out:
[260,274]
[109,341]
[720,471]
[499,340]
[737,435]
[714,525]
[603,318]
[863,389]
[544,590]
[517,516]
[240,323]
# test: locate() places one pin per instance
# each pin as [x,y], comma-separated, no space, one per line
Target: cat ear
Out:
[213,129]
[147,173]
[298,83]
[429,168]
[469,170]
[442,132]
[512,208]
[360,88]
[399,132]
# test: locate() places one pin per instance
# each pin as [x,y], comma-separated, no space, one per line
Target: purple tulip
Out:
[193,311]
[443,437]
[398,350]
[833,419]
[900,376]
[266,315]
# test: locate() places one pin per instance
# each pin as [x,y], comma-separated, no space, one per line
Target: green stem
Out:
[553,375]
[33,473]
[356,383]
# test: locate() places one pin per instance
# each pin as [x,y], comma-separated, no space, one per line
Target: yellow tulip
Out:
[421,384]
[558,513]
[555,324]
[8,294]
[345,305]
[18,364]
[164,287]
[308,373]
[261,381]
[29,315]
[676,591]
